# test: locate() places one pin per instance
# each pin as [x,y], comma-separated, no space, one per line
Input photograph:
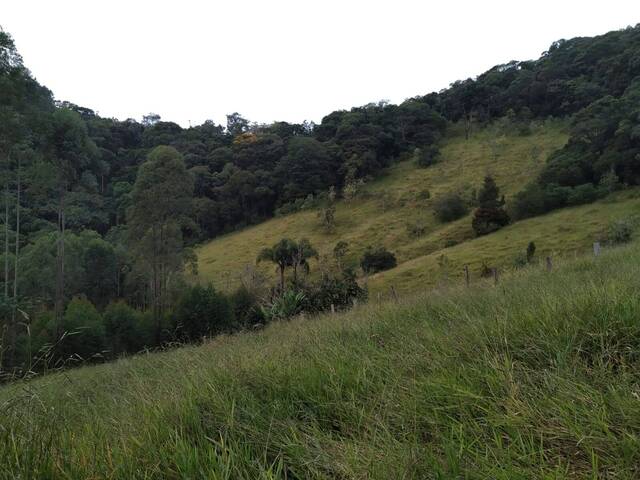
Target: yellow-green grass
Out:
[386,206]
[562,233]
[536,379]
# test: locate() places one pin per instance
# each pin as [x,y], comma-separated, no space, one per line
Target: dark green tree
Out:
[161,206]
[490,214]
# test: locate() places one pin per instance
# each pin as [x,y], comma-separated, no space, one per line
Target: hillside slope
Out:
[535,379]
[386,206]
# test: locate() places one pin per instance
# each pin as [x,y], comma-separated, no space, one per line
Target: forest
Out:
[100,215]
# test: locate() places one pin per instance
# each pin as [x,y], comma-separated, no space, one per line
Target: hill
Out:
[385,208]
[534,379]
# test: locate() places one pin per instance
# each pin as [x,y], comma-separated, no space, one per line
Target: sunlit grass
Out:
[392,202]
[537,378]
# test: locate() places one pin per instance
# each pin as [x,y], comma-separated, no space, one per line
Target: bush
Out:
[450,242]
[450,207]
[246,310]
[426,156]
[122,324]
[424,195]
[619,232]
[531,251]
[202,311]
[84,332]
[339,291]
[377,260]
[416,229]
[582,194]
[290,303]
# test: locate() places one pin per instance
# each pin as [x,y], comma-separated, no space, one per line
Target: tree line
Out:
[105,211]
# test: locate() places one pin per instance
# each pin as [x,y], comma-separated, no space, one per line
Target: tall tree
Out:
[282,254]
[71,149]
[490,214]
[161,207]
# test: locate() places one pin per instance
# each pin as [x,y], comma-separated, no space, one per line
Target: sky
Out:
[290,60]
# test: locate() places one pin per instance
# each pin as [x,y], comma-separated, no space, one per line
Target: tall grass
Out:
[536,378]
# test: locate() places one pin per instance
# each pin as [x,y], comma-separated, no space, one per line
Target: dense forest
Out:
[99,214]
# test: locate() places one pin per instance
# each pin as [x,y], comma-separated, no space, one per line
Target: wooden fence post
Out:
[355,302]
[596,248]
[495,275]
[466,274]
[549,264]
[333,309]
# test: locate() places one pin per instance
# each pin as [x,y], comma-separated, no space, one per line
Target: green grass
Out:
[390,203]
[537,378]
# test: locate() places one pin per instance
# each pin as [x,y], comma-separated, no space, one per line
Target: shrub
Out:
[121,324]
[416,229]
[581,194]
[246,309]
[290,303]
[337,290]
[619,232]
[450,207]
[426,156]
[531,251]
[609,183]
[485,270]
[424,195]
[520,261]
[84,332]
[202,311]
[377,259]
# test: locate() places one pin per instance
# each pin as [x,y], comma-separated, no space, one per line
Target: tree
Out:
[70,150]
[84,333]
[236,124]
[202,311]
[283,254]
[161,205]
[327,214]
[490,215]
[120,322]
[304,251]
[340,251]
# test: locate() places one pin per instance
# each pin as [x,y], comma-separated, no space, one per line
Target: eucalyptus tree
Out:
[161,206]
[70,149]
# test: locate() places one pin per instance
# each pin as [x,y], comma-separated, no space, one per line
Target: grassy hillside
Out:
[537,378]
[386,206]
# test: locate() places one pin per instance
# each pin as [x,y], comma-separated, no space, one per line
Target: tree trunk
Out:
[6,238]
[59,300]
[281,279]
[14,306]
[10,331]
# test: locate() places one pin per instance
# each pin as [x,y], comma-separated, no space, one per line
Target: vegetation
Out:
[535,379]
[449,207]
[377,260]
[490,214]
[105,212]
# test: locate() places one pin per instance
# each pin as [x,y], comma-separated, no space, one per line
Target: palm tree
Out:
[301,257]
[282,254]
[288,253]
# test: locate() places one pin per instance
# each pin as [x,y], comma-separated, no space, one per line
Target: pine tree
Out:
[490,214]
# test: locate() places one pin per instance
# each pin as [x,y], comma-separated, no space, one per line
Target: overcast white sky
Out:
[287,60]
